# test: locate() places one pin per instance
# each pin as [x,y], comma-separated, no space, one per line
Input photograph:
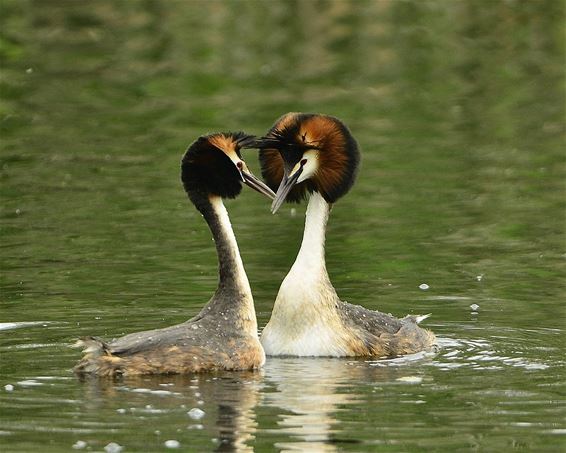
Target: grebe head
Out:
[213,165]
[304,153]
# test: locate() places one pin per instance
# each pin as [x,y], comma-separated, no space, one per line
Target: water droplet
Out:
[172,443]
[113,447]
[29,70]
[474,307]
[195,413]
[479,277]
[9,387]
[424,286]
[79,445]
[121,411]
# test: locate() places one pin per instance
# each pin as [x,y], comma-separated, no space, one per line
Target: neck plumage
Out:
[311,255]
[233,297]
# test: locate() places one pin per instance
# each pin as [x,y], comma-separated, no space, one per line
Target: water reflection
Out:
[459,110]
[227,401]
[311,393]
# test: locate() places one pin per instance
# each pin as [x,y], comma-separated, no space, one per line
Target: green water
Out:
[458,107]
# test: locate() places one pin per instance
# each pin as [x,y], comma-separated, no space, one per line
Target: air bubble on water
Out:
[195,413]
[9,387]
[479,277]
[200,402]
[197,394]
[79,445]
[410,379]
[424,286]
[121,410]
[474,307]
[195,427]
[113,447]
[172,443]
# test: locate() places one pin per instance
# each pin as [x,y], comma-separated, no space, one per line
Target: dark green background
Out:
[458,107]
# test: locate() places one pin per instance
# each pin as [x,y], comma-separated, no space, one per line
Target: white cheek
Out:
[310,168]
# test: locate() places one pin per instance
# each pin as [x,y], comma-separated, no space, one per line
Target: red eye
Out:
[239,164]
[303,162]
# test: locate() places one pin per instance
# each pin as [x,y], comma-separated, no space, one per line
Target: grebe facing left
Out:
[223,336]
[316,154]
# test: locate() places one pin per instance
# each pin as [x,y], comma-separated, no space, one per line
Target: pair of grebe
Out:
[301,155]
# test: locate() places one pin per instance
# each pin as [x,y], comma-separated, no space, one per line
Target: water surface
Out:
[459,111]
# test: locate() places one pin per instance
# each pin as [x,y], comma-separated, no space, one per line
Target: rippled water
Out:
[459,110]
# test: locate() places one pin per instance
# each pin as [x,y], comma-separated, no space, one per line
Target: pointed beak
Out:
[287,183]
[250,180]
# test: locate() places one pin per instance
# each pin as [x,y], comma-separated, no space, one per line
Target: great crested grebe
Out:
[223,336]
[316,154]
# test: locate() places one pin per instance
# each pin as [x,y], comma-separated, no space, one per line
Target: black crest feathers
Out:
[207,168]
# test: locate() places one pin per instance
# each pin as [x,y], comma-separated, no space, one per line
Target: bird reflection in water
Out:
[229,400]
[311,392]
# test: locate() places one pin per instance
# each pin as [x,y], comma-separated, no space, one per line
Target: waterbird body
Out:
[316,154]
[223,336]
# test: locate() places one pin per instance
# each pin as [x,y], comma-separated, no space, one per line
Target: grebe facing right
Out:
[317,154]
[223,336]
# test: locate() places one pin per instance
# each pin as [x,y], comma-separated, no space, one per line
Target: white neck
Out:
[234,260]
[311,254]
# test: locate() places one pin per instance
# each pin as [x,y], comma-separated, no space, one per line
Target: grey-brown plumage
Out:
[382,334]
[223,336]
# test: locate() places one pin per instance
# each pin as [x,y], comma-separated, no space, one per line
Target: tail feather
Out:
[97,359]
[93,346]
[417,319]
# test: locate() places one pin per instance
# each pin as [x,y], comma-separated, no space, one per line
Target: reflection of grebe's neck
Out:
[310,259]
[236,417]
[234,292]
[310,416]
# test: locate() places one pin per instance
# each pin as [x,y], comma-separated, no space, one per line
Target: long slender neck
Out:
[311,254]
[233,295]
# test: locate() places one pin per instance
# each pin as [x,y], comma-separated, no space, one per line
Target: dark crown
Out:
[206,167]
